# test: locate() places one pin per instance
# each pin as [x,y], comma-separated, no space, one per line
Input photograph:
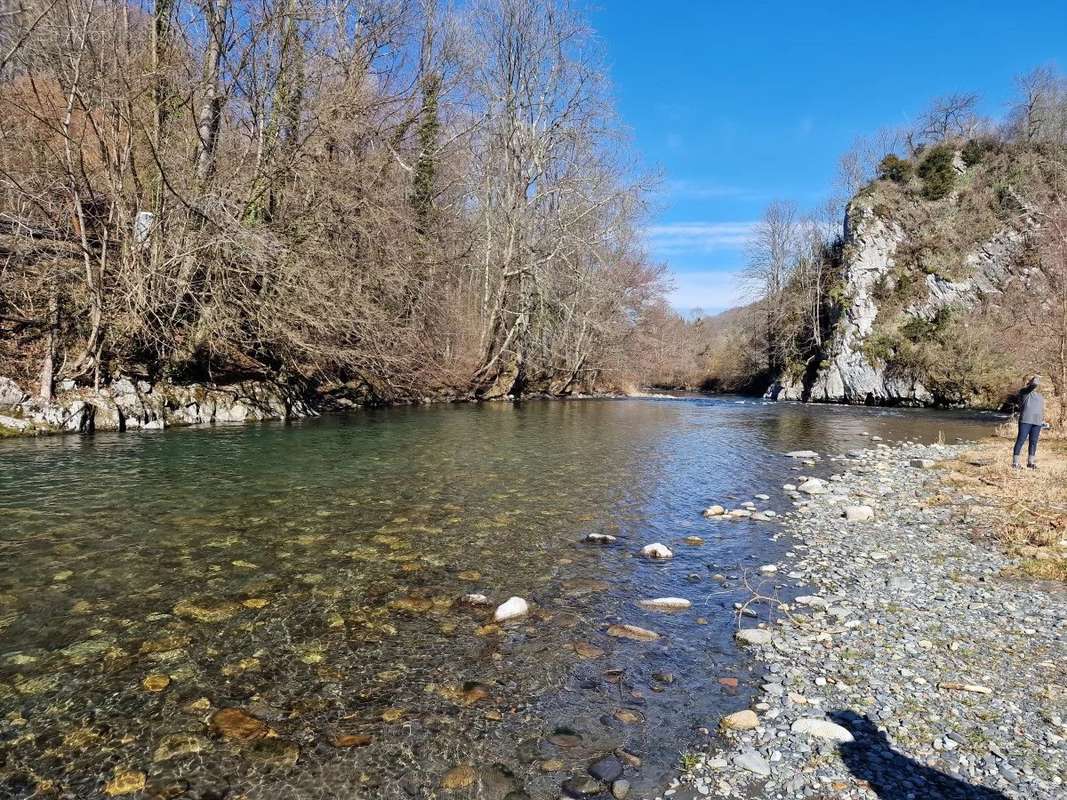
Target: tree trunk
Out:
[209,117]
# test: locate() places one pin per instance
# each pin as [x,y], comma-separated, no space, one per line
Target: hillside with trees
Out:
[947,283]
[393,198]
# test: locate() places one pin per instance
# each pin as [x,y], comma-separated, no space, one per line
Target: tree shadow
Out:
[894,776]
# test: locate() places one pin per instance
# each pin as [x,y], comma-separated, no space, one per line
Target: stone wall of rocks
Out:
[127,404]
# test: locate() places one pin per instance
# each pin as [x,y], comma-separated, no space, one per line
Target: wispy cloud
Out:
[681,238]
[704,190]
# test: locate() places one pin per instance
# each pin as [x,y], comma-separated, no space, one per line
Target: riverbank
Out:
[129,404]
[911,664]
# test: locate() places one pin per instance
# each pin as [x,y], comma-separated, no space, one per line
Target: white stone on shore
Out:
[858,514]
[756,636]
[656,550]
[665,603]
[740,721]
[754,763]
[714,511]
[822,729]
[812,601]
[511,608]
[813,486]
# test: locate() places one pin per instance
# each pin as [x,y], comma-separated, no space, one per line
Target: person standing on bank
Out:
[1031,421]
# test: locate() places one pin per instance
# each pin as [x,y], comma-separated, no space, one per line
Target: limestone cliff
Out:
[906,263]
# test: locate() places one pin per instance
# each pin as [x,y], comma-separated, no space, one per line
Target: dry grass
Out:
[1025,510]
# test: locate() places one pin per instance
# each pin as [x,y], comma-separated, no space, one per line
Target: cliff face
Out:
[889,282]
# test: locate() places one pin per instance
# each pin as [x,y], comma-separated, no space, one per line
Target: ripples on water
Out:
[308,574]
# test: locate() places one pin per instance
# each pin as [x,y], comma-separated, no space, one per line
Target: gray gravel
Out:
[949,678]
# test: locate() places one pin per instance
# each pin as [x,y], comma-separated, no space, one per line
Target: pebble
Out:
[512,608]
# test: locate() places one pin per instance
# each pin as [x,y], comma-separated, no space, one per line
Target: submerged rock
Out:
[179,744]
[206,609]
[665,604]
[460,777]
[802,454]
[233,723]
[600,538]
[582,786]
[632,632]
[606,769]
[714,511]
[125,781]
[512,608]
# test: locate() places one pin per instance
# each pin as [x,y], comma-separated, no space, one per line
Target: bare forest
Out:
[391,195]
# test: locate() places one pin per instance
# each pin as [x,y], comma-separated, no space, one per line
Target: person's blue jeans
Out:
[1026,431]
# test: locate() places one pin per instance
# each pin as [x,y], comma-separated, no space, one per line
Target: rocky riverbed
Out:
[900,663]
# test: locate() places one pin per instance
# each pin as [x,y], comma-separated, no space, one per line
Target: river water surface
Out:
[308,575]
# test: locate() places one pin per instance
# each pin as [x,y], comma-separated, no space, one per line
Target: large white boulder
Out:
[656,550]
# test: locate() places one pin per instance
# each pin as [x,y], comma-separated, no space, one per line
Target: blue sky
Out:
[740,103]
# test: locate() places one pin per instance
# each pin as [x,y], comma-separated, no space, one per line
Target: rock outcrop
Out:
[843,372]
[126,404]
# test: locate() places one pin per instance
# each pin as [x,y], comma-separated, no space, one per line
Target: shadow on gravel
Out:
[894,776]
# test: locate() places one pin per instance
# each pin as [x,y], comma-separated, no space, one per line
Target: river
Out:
[308,574]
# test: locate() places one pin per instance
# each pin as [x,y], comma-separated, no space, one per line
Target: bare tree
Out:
[948,117]
[772,257]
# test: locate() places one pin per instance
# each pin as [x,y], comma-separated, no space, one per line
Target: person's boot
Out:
[1015,464]
[1032,465]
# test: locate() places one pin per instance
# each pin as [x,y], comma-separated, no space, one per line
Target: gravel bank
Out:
[903,666]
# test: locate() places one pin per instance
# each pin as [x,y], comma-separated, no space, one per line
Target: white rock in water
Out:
[789,487]
[656,550]
[813,486]
[714,511]
[922,463]
[858,514]
[665,603]
[762,497]
[740,513]
[475,599]
[510,609]
[822,729]
[802,454]
[600,538]
[753,636]
[768,569]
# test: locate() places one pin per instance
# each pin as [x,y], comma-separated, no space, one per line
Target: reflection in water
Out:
[273,610]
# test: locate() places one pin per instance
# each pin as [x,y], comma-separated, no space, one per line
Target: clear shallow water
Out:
[308,574]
